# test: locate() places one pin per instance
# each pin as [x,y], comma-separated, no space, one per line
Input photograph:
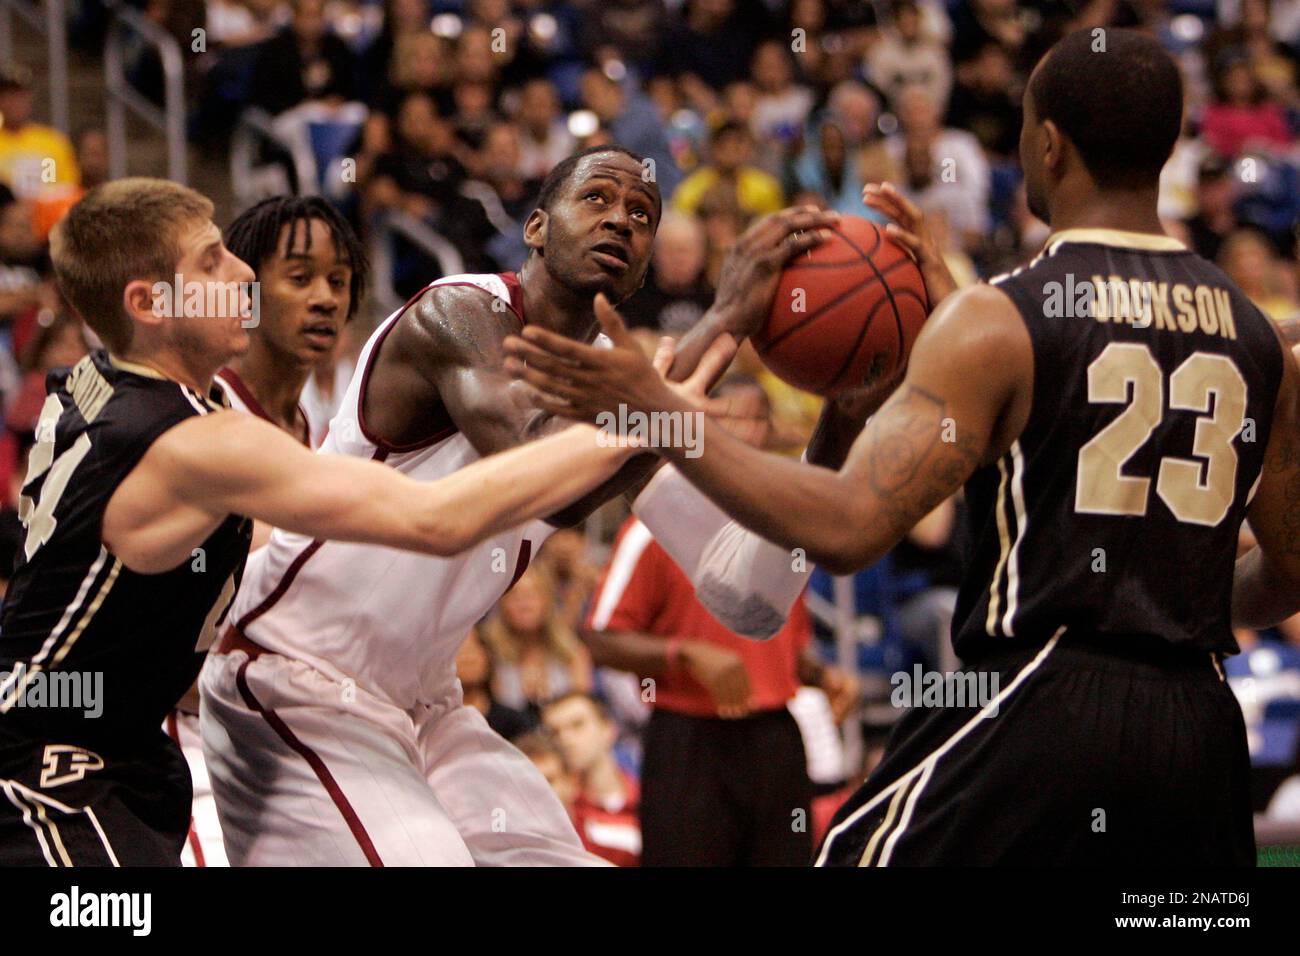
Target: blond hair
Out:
[124,230]
[558,638]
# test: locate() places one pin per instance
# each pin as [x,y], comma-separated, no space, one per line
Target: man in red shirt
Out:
[724,779]
[605,807]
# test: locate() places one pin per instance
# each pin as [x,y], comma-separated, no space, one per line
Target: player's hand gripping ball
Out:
[845,313]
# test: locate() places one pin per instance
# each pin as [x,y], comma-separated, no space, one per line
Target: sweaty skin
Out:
[443,363]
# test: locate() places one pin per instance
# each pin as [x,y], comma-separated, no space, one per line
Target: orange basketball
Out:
[845,313]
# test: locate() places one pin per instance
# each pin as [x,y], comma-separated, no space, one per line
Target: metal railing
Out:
[52,23]
[255,126]
[419,234]
[120,95]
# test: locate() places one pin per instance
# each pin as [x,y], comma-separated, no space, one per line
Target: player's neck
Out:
[551,306]
[275,383]
[170,366]
[1122,210]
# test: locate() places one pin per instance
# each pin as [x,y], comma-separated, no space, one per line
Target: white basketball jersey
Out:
[388,619]
[241,399]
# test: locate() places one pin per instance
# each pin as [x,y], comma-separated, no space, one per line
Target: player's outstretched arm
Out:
[449,351]
[970,375]
[209,467]
[1266,586]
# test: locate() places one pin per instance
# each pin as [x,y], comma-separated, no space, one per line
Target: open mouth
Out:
[321,333]
[611,255]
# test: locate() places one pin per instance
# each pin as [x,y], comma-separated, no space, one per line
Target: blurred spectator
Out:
[544,137]
[474,671]
[402,19]
[304,61]
[534,655]
[731,148]
[724,773]
[477,60]
[635,27]
[506,196]
[780,105]
[1251,262]
[906,56]
[59,342]
[986,101]
[632,122]
[1242,114]
[421,176]
[25,280]
[712,42]
[574,577]
[37,162]
[538,747]
[676,293]
[420,62]
[723,223]
[498,168]
[92,157]
[827,167]
[1215,218]
[232,23]
[858,109]
[604,807]
[943,168]
[979,21]
[1272,61]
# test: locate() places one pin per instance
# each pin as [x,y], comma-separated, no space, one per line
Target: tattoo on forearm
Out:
[915,459]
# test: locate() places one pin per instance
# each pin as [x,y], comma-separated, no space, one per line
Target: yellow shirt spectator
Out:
[757,192]
[37,162]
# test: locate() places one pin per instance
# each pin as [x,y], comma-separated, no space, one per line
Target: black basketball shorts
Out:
[1086,756]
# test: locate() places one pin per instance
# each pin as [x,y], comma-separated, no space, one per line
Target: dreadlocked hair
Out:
[255,233]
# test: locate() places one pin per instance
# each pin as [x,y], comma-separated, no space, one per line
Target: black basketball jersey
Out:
[1116,511]
[72,607]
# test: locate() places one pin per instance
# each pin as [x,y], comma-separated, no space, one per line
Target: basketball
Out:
[846,312]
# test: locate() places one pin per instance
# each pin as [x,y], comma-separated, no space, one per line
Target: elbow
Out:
[446,539]
[841,553]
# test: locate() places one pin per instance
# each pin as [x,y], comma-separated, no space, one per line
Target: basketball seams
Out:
[857,344]
[813,316]
[819,312]
[854,361]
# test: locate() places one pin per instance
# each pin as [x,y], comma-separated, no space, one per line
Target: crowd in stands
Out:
[450,112]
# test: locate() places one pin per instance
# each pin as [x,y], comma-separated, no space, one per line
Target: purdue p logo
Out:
[64,763]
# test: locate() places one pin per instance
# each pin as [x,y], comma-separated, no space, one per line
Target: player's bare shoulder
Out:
[460,324]
[448,329]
